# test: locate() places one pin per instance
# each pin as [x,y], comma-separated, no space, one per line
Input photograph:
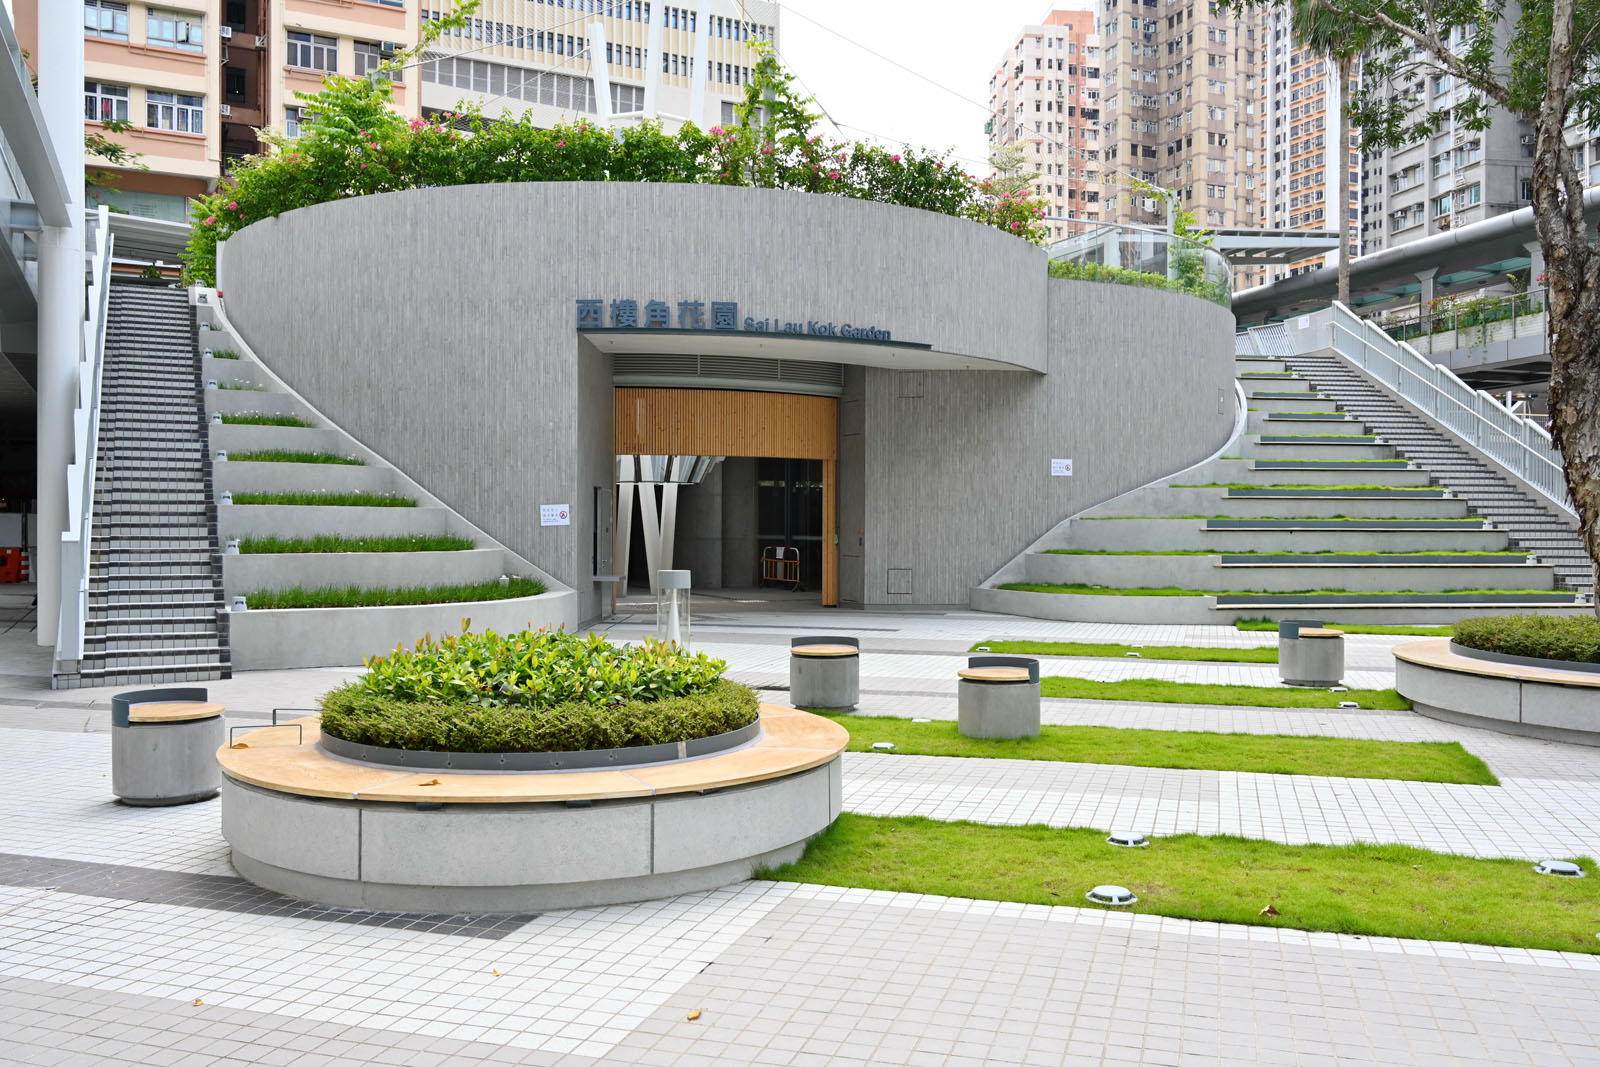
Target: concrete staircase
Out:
[155,589]
[1531,522]
[1311,511]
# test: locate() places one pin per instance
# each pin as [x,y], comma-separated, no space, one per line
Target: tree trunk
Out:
[1572,269]
[1342,124]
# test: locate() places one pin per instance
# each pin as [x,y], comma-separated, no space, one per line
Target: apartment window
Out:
[169,111]
[173,29]
[103,18]
[1472,196]
[310,51]
[295,120]
[1441,163]
[1441,205]
[105,103]
[369,57]
[1471,152]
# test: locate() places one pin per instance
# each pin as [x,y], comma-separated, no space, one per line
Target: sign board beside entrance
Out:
[555,515]
[1061,468]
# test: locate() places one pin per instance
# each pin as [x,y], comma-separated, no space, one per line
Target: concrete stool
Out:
[825,672]
[1309,654]
[164,747]
[999,697]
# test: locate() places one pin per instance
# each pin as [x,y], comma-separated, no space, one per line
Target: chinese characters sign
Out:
[706,315]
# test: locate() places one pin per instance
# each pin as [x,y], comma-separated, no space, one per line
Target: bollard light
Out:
[222,455]
[216,418]
[233,547]
[226,497]
[672,608]
[239,604]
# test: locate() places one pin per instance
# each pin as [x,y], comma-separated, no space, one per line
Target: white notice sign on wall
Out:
[1061,468]
[555,515]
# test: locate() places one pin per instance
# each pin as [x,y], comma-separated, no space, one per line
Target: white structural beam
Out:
[652,72]
[61,298]
[601,72]
[700,73]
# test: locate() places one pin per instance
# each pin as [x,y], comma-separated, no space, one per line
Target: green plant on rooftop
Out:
[284,455]
[224,354]
[247,387]
[339,543]
[1096,272]
[357,146]
[1574,639]
[357,596]
[536,691]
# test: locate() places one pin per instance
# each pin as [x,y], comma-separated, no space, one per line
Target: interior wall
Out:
[738,522]
[698,544]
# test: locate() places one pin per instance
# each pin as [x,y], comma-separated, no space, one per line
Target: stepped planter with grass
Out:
[481,773]
[336,554]
[1303,510]
[1525,674]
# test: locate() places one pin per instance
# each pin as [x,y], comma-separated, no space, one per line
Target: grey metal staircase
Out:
[155,581]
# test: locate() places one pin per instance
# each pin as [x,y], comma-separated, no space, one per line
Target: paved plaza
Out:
[126,936]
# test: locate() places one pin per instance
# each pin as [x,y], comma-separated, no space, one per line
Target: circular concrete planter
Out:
[589,759]
[305,823]
[1522,698]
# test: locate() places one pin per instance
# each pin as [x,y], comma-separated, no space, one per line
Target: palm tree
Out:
[1317,29]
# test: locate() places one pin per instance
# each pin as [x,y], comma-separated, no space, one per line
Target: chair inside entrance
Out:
[781,565]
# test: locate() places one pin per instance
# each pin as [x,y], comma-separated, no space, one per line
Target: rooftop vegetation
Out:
[354,145]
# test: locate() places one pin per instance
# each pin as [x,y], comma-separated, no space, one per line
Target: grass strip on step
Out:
[1364,488]
[1268,654]
[224,354]
[302,498]
[1328,757]
[336,543]
[1105,590]
[355,596]
[284,455]
[1252,625]
[1159,691]
[1510,555]
[256,418]
[1371,890]
[245,387]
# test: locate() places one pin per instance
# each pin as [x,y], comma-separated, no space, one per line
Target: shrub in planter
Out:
[536,691]
[1538,636]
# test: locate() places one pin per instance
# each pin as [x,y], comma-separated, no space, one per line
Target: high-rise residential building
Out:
[599,59]
[1301,103]
[1180,111]
[1044,97]
[1452,178]
[196,78]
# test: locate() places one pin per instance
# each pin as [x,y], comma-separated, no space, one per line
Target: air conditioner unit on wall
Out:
[224,110]
[388,48]
[261,42]
[227,32]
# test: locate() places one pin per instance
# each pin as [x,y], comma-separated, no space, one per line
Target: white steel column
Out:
[599,65]
[623,534]
[652,84]
[61,298]
[701,69]
[652,534]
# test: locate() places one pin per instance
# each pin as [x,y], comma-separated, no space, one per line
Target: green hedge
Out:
[1538,636]
[354,714]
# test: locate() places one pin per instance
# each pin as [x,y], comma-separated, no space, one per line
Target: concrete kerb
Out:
[1456,691]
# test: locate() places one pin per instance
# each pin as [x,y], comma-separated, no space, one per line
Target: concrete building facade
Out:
[953,413]
[196,78]
[599,60]
[1044,96]
[1181,110]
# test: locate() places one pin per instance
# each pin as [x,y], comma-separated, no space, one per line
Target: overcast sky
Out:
[956,45]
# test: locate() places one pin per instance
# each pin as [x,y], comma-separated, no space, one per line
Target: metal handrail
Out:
[1446,313]
[1518,444]
[76,541]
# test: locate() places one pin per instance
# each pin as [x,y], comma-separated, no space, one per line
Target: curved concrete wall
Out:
[438,327]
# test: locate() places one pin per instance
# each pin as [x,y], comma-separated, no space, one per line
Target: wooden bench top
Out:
[274,757]
[179,712]
[825,650]
[994,674]
[1319,631]
[1436,653]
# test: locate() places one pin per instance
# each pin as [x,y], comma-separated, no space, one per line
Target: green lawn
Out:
[1355,628]
[1156,691]
[254,418]
[284,455]
[1509,555]
[1253,485]
[1373,890]
[300,498]
[1268,654]
[1330,757]
[336,543]
[1080,589]
[356,596]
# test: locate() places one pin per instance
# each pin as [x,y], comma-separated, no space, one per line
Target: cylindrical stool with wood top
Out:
[999,697]
[825,673]
[164,747]
[1310,654]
